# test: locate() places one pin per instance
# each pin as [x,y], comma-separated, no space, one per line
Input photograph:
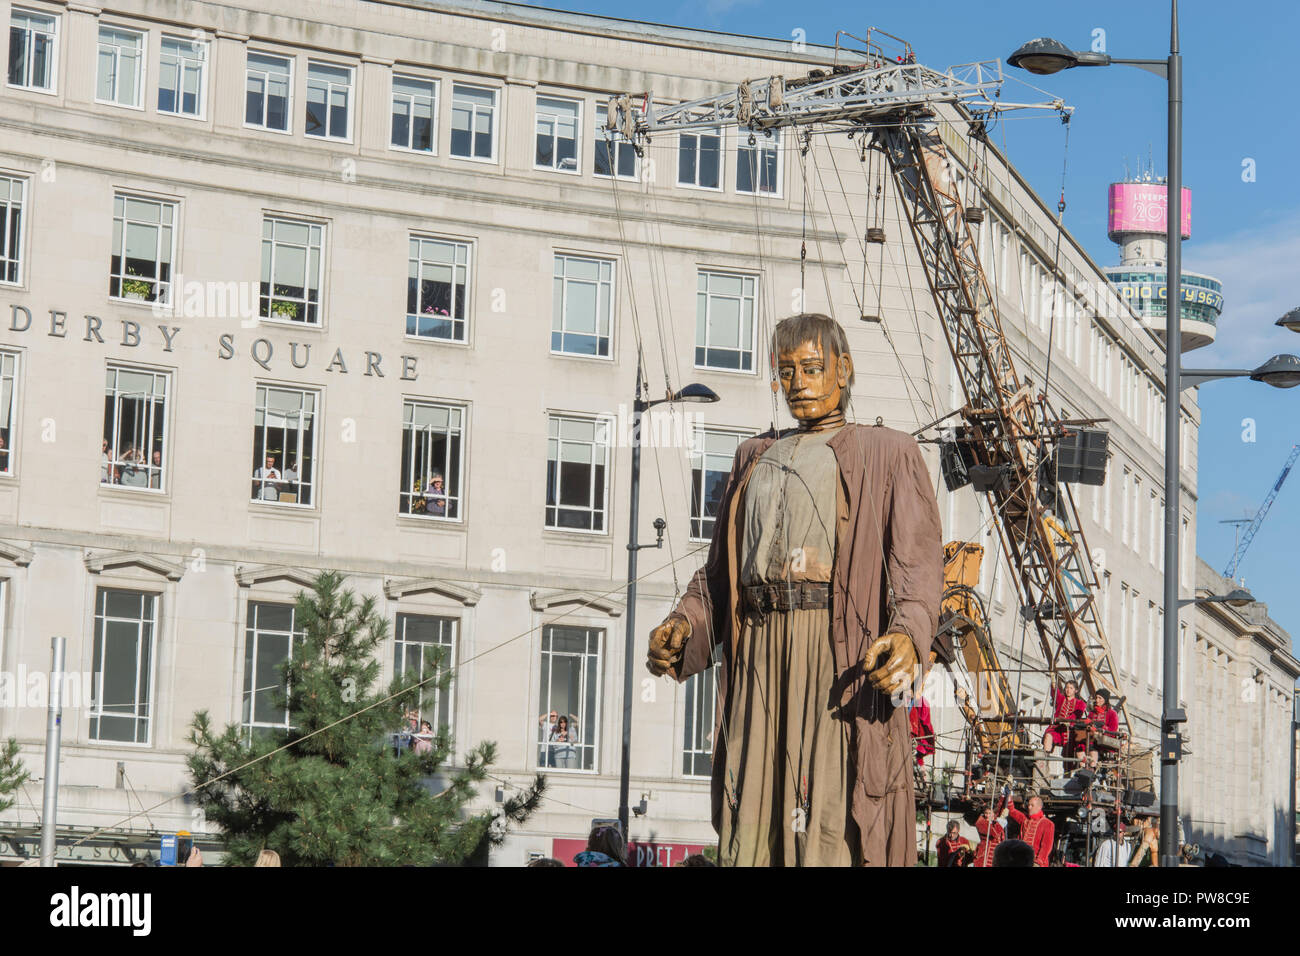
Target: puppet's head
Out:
[813,366]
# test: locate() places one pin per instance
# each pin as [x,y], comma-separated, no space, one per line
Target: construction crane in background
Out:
[1011,445]
[1260,515]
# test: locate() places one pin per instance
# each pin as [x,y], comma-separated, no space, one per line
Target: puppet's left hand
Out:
[891,664]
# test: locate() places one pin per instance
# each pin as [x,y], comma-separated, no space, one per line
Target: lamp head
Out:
[1044,56]
[1281,371]
[1238,597]
[1290,321]
[695,392]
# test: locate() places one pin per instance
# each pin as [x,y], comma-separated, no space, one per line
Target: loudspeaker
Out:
[1080,456]
[1139,798]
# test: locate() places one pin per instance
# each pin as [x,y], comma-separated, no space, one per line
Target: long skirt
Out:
[786,786]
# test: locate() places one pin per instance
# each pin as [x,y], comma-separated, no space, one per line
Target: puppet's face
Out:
[812,378]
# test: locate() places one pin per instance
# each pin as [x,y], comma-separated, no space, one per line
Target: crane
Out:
[1011,438]
[1260,515]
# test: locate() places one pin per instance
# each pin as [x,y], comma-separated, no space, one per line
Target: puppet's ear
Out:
[845,373]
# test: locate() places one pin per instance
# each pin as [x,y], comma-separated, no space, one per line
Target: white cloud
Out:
[1258,268]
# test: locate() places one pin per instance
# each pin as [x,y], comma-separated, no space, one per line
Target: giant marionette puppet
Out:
[821,593]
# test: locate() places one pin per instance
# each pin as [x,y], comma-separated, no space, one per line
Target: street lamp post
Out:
[691,393]
[1045,56]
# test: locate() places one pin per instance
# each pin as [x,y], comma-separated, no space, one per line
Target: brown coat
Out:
[886,508]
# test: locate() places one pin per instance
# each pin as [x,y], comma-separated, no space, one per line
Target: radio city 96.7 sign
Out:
[1156,291]
[1144,207]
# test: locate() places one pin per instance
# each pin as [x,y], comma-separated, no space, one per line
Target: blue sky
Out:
[1237,107]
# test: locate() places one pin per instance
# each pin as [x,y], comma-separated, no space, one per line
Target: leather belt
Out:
[796,596]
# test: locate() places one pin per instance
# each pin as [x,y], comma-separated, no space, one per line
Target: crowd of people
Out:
[559,736]
[606,847]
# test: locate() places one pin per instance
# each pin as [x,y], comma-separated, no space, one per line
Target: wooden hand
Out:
[891,664]
[666,644]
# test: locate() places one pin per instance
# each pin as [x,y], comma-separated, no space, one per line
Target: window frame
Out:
[612,300]
[53,88]
[314,483]
[464,320]
[463,433]
[495,134]
[297,636]
[435,107]
[695,716]
[331,87]
[446,622]
[15,254]
[589,725]
[95,711]
[142,71]
[758,147]
[9,423]
[702,272]
[119,253]
[721,135]
[605,511]
[322,271]
[115,449]
[696,452]
[616,141]
[291,61]
[555,139]
[202,96]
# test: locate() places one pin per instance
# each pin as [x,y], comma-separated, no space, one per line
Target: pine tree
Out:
[332,790]
[12,773]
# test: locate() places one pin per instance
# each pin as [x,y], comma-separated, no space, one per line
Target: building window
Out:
[134,452]
[577,473]
[121,66]
[269,645]
[425,647]
[473,122]
[614,156]
[122,670]
[12,193]
[284,445]
[8,401]
[144,237]
[268,92]
[33,48]
[437,279]
[329,101]
[711,460]
[291,270]
[182,76]
[699,160]
[724,321]
[582,299]
[559,124]
[758,167]
[568,728]
[701,702]
[415,112]
[433,451]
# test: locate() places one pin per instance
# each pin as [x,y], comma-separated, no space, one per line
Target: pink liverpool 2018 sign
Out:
[1144,207]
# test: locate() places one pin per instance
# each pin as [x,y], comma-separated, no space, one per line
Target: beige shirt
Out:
[789,512]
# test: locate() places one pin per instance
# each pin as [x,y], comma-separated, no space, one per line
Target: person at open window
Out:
[106,470]
[435,497]
[134,472]
[423,741]
[155,470]
[268,481]
[546,724]
[562,739]
[4,454]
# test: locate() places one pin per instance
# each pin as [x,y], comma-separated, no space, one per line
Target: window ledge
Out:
[430,521]
[430,340]
[133,492]
[290,508]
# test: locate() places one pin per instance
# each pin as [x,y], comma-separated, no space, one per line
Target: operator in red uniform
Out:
[991,833]
[1066,708]
[951,845]
[1035,829]
[1102,719]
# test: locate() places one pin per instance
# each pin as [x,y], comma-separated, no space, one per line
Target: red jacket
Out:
[991,834]
[1109,716]
[918,718]
[947,849]
[1038,831]
[1064,709]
